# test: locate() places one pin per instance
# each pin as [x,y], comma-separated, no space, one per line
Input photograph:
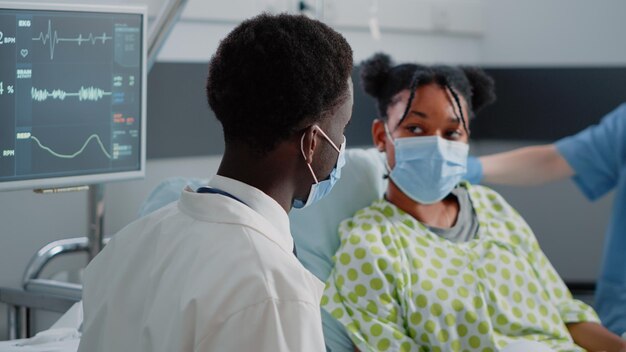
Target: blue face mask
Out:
[321,188]
[428,168]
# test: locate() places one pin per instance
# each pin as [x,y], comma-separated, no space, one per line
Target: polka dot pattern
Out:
[396,286]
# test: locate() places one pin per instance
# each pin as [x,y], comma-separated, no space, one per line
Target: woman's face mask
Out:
[427,168]
[320,189]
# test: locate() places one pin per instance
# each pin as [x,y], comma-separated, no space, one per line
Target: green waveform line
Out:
[54,39]
[72,156]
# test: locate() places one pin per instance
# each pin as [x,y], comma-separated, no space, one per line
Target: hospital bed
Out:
[314,230]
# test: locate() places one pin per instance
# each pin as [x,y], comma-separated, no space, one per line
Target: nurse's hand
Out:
[474,172]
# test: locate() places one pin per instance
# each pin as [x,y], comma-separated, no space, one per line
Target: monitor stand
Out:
[95,237]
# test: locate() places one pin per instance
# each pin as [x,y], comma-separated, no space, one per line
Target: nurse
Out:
[217,271]
[595,158]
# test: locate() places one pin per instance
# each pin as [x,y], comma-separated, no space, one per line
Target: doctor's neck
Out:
[270,172]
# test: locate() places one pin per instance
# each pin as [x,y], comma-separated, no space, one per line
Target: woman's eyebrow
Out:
[423,115]
[420,114]
[455,119]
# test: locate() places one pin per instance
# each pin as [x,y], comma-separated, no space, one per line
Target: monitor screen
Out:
[72,95]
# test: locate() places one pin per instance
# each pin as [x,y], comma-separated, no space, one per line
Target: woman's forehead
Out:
[429,99]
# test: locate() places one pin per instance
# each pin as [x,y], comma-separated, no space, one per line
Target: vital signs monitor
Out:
[72,94]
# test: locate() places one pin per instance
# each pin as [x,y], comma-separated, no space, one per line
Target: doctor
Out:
[595,158]
[217,270]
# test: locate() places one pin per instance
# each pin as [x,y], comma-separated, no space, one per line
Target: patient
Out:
[438,264]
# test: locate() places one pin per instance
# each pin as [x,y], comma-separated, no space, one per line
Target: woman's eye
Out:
[456,134]
[415,129]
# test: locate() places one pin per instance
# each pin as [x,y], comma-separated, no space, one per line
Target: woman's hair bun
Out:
[483,87]
[374,74]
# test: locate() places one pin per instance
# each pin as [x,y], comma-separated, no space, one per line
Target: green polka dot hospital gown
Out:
[397,286]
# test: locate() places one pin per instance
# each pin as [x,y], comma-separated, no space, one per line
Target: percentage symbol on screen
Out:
[10,90]
[1,35]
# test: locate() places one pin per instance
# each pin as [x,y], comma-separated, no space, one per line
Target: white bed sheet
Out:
[63,336]
[58,346]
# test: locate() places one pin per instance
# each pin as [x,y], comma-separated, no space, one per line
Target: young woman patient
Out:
[438,264]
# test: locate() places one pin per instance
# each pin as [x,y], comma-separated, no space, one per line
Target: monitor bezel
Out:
[78,180]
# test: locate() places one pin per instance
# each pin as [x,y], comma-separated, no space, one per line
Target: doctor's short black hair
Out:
[275,75]
[382,80]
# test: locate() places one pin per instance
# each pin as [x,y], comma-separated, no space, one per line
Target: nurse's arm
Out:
[526,166]
[595,337]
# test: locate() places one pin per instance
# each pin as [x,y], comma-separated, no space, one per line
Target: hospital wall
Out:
[515,34]
[554,33]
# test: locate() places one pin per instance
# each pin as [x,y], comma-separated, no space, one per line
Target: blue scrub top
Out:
[598,157]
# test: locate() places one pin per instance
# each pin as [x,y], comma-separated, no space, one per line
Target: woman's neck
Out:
[442,214]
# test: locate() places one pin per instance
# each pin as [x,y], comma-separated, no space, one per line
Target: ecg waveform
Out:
[54,39]
[83,94]
[72,156]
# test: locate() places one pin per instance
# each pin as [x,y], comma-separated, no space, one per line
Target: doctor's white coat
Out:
[207,273]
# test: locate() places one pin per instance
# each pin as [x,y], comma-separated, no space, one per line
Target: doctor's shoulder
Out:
[141,227]
[279,272]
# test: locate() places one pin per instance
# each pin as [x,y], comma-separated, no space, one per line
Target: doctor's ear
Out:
[308,143]
[379,135]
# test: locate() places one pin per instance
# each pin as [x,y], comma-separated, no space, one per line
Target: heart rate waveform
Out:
[52,38]
[72,156]
[83,94]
